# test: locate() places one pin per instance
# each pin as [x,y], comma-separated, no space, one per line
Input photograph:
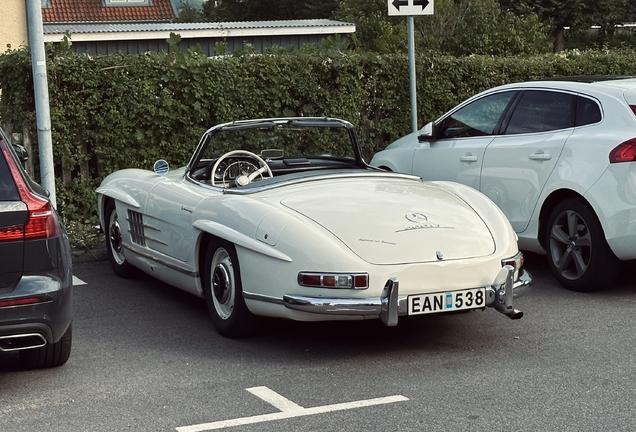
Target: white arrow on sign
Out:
[410,7]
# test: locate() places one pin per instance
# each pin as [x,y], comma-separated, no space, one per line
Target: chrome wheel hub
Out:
[115,239]
[223,284]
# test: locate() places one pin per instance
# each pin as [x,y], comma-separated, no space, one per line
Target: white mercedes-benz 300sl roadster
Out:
[283,218]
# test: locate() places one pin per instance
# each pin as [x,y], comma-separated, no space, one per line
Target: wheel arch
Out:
[105,195]
[102,205]
[237,238]
[204,241]
[550,203]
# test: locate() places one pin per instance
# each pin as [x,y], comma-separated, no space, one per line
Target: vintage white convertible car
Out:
[283,218]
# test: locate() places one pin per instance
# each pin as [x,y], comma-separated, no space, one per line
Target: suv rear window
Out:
[587,112]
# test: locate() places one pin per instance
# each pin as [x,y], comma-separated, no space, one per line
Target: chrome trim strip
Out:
[152,239]
[147,225]
[187,272]
[262,297]
[333,306]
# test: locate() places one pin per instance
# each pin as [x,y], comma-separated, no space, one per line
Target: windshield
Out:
[242,153]
[283,140]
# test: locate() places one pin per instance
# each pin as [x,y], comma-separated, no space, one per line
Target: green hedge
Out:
[120,111]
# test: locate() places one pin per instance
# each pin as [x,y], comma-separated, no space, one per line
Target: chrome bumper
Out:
[390,304]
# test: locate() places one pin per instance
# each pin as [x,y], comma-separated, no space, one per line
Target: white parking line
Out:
[271,397]
[78,281]
[289,410]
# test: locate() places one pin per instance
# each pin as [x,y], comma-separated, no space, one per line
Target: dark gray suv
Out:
[36,281]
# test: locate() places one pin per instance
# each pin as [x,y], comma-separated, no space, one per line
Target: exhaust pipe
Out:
[514,314]
[22,342]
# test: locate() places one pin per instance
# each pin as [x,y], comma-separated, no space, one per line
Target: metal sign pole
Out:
[412,77]
[41,94]
[409,8]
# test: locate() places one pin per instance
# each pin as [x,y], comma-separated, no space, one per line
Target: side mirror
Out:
[161,167]
[427,132]
[22,153]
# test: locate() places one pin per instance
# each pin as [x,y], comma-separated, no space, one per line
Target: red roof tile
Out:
[63,11]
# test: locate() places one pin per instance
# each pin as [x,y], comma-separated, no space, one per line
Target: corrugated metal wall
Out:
[260,44]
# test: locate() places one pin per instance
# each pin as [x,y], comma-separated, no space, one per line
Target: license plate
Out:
[447,302]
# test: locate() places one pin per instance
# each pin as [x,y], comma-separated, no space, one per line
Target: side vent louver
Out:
[136,224]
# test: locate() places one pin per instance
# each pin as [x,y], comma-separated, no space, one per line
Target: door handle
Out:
[468,158]
[540,156]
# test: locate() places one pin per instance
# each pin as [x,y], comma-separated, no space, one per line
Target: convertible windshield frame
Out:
[271,123]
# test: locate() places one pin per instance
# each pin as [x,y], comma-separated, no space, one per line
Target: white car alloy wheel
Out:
[570,245]
[577,251]
[223,284]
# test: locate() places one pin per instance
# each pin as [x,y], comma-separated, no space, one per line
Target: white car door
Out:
[517,163]
[457,150]
[169,216]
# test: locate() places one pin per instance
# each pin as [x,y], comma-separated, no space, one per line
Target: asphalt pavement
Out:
[147,358]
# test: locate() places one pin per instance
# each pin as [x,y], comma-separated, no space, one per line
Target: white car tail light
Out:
[624,152]
[334,280]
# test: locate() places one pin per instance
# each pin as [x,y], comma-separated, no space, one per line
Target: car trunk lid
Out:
[387,221]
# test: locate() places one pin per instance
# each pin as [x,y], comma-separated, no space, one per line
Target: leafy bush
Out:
[120,111]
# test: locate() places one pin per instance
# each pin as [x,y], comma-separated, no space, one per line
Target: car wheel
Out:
[224,292]
[50,355]
[577,251]
[115,245]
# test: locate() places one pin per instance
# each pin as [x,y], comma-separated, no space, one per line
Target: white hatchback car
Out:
[556,156]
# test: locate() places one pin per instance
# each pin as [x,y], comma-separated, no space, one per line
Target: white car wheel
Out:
[224,292]
[577,251]
[115,244]
[223,284]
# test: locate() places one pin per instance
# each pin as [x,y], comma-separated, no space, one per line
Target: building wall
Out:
[13,30]
[207,45]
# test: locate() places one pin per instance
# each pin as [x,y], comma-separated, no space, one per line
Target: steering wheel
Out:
[242,179]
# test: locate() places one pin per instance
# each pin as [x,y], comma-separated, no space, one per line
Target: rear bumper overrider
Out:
[390,304]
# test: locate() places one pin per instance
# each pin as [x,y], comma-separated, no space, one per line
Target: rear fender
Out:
[239,239]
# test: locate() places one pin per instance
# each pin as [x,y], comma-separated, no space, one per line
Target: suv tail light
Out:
[624,152]
[42,221]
